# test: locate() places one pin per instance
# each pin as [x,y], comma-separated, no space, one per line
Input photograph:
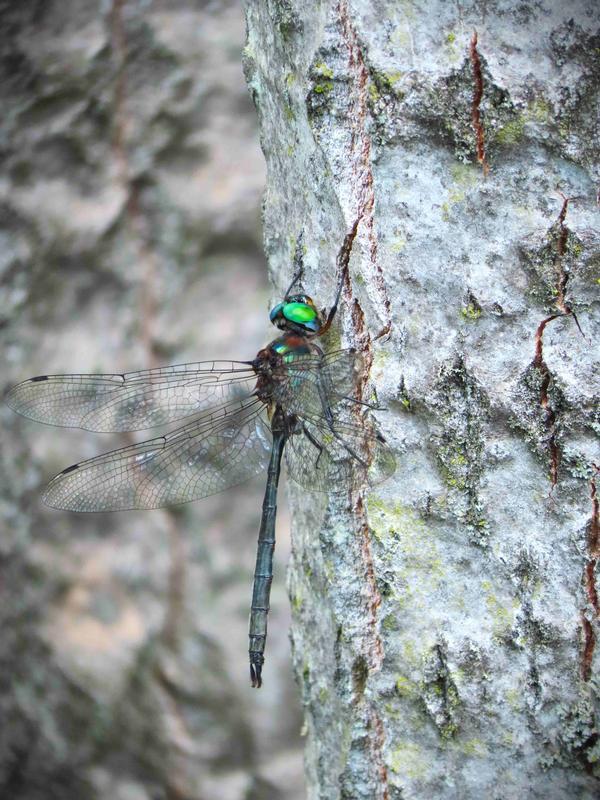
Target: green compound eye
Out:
[299,313]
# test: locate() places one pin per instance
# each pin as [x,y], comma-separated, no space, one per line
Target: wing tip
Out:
[14,399]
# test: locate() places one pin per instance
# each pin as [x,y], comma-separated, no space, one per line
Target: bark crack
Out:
[360,154]
[550,421]
[477,97]
[563,274]
[360,158]
[562,278]
[589,578]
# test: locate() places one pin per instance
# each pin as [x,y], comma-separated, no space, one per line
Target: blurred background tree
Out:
[130,227]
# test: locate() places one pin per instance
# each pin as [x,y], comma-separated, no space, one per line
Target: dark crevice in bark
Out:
[550,422]
[589,644]
[589,579]
[562,279]
[361,156]
[563,274]
[477,96]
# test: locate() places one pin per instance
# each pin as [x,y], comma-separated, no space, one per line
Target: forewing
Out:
[221,449]
[131,401]
[333,459]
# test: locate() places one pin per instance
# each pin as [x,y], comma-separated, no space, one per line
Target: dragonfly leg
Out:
[263,573]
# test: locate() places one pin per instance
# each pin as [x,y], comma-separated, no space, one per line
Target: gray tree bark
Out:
[445,624]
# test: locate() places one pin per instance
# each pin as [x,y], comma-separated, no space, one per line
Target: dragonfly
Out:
[293,395]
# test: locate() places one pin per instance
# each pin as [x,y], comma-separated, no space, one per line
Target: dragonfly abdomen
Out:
[263,573]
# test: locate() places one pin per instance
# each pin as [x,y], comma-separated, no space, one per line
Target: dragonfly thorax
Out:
[273,362]
[297,313]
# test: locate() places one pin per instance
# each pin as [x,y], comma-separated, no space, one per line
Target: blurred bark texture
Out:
[445,624]
[130,186]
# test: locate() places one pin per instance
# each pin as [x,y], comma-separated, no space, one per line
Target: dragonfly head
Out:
[297,313]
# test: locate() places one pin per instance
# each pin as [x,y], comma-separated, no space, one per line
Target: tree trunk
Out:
[445,624]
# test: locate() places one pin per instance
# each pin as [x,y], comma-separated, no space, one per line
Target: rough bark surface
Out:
[130,188]
[445,625]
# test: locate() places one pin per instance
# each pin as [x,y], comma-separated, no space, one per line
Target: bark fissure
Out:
[561,282]
[589,578]
[360,152]
[550,416]
[476,103]
[563,274]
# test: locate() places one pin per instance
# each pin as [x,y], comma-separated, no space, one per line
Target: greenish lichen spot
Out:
[539,110]
[474,747]
[407,761]
[512,132]
[406,688]
[465,174]
[297,601]
[470,312]
[374,93]
[452,51]
[501,616]
[393,77]
[323,70]
[413,554]
[398,244]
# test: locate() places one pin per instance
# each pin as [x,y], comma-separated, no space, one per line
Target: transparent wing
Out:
[329,458]
[314,384]
[131,401]
[342,370]
[221,449]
